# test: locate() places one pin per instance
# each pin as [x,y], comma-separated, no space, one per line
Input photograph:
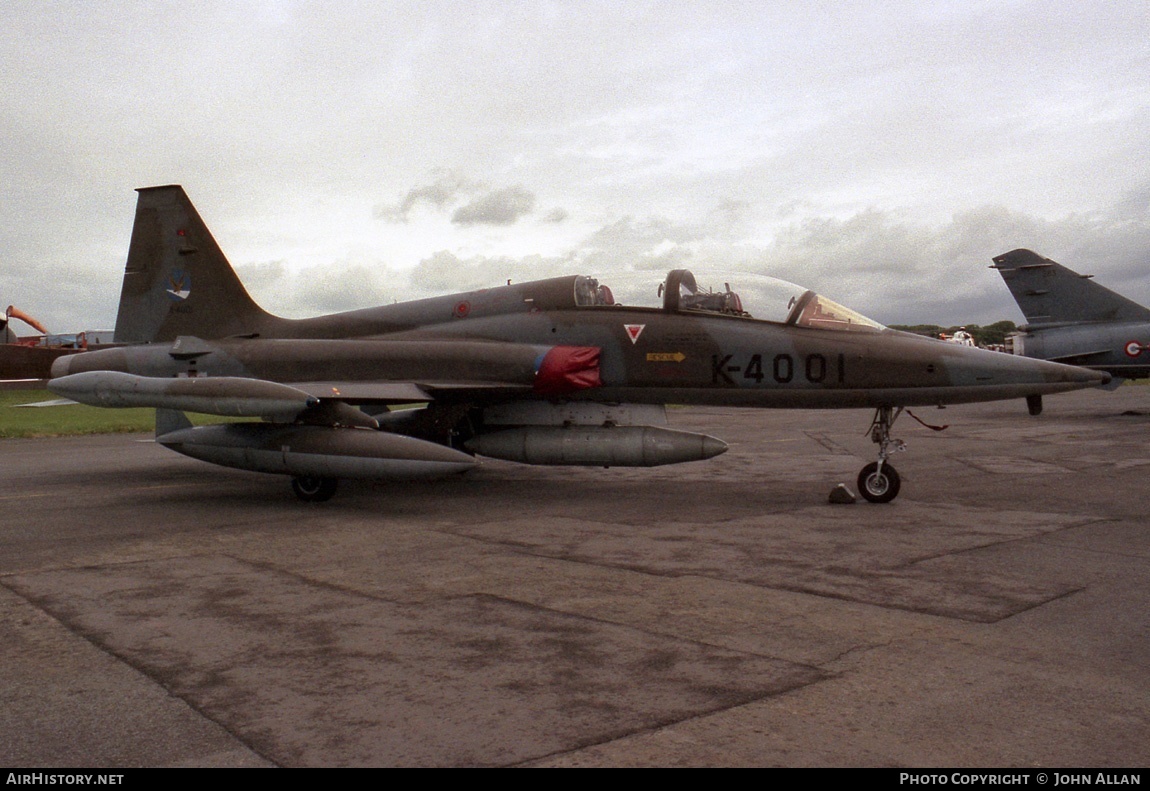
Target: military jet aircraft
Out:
[547,372]
[1073,320]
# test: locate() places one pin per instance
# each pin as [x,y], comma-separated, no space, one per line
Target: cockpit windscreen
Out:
[757,296]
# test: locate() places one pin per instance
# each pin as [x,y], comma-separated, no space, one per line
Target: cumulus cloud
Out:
[498,207]
[483,206]
[638,244]
[450,188]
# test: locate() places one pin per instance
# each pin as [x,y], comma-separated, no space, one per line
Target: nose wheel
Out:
[879,482]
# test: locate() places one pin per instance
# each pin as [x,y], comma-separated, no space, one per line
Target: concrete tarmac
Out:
[159,611]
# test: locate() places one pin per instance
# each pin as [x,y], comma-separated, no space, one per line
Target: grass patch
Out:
[75,419]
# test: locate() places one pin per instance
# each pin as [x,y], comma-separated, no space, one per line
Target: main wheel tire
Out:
[311,489]
[876,486]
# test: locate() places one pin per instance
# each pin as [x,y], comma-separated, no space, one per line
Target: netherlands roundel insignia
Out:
[634,331]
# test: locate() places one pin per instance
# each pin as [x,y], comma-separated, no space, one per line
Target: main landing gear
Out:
[312,489]
[879,481]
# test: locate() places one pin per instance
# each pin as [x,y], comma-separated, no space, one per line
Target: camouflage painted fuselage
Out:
[486,345]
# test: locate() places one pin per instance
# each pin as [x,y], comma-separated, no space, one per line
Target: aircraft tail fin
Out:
[1049,293]
[177,281]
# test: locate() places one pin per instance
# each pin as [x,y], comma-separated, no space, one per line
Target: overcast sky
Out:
[351,154]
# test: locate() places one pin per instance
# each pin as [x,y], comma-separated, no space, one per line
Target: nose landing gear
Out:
[879,482]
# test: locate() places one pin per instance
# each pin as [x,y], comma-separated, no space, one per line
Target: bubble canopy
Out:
[754,297]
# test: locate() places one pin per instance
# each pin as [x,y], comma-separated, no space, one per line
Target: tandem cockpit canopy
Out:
[759,297]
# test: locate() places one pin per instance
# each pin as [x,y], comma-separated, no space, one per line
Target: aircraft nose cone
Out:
[1086,376]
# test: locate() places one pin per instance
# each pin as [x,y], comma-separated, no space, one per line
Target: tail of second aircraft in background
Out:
[1049,293]
[177,281]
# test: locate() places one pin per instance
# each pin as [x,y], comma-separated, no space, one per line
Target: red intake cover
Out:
[565,369]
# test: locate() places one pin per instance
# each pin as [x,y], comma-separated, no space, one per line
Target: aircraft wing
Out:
[365,392]
[387,392]
[339,402]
